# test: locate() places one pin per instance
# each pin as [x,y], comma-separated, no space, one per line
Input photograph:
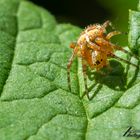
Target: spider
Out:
[94,48]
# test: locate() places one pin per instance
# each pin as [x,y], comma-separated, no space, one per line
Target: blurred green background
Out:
[84,12]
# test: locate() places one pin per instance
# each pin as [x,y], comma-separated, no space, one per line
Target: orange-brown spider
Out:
[94,47]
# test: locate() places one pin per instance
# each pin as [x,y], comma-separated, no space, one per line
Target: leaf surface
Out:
[35,101]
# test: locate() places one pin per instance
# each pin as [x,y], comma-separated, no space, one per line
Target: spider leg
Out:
[123,50]
[106,24]
[69,66]
[92,45]
[103,42]
[121,59]
[111,34]
[84,68]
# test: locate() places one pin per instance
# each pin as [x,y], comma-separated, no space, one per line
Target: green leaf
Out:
[35,102]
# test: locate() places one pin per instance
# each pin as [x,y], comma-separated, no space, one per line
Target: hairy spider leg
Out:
[123,50]
[87,36]
[72,45]
[111,34]
[116,57]
[101,41]
[92,45]
[84,68]
[106,24]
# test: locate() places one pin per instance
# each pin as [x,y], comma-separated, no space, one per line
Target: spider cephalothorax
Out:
[94,47]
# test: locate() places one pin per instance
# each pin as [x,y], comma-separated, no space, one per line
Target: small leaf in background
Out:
[35,102]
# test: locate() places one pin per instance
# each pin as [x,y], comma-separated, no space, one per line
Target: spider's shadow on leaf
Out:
[115,78]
